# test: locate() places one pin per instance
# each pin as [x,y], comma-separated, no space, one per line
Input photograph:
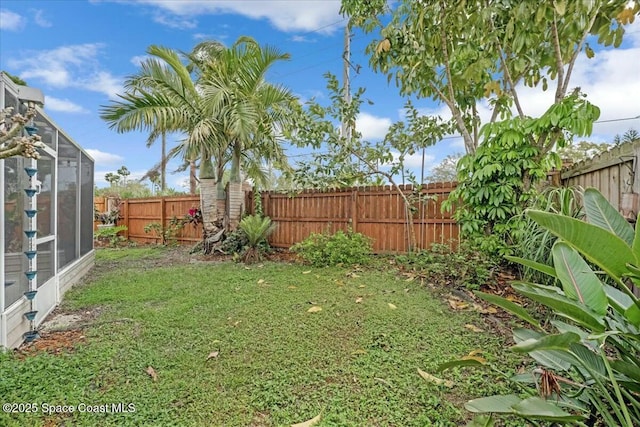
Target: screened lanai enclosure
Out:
[46,238]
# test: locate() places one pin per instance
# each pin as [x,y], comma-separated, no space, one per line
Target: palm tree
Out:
[219,100]
[252,110]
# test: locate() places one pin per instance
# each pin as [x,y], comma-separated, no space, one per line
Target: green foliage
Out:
[167,235]
[324,249]
[460,54]
[533,242]
[497,182]
[111,235]
[468,266]
[235,243]
[257,229]
[588,355]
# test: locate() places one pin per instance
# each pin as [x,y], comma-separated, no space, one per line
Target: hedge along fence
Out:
[136,214]
[377,212]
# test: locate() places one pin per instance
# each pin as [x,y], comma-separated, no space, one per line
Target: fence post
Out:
[126,219]
[354,210]
[162,215]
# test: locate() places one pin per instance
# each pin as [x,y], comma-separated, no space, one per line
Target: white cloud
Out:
[181,182]
[70,66]
[173,21]
[285,15]
[63,105]
[372,127]
[139,59]
[415,160]
[104,158]
[302,39]
[40,20]
[11,21]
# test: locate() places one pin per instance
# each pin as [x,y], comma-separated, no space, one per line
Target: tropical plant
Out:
[534,242]
[257,229]
[166,234]
[220,100]
[110,235]
[326,249]
[588,356]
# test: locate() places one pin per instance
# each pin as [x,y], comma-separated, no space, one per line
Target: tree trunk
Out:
[235,163]
[163,163]
[192,177]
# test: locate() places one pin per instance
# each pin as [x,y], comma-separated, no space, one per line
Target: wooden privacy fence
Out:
[377,212]
[136,214]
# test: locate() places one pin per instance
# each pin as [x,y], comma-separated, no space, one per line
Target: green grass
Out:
[278,364]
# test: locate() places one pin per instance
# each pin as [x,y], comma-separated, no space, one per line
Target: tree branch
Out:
[576,52]
[558,55]
[469,143]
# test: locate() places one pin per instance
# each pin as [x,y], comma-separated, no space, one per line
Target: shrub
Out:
[257,229]
[324,249]
[235,243]
[588,364]
[110,235]
[534,242]
[468,266]
[168,234]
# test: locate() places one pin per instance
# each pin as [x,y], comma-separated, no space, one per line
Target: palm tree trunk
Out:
[235,163]
[163,165]
[192,177]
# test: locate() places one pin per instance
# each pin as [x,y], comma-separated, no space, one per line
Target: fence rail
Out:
[377,212]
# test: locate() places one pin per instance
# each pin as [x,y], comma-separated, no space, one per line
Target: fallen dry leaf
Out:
[473,328]
[488,310]
[213,355]
[359,351]
[392,306]
[435,380]
[152,373]
[358,300]
[313,421]
[306,272]
[457,304]
[260,282]
[361,286]
[236,323]
[314,309]
[292,287]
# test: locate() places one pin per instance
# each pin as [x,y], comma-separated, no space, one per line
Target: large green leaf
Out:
[589,360]
[636,240]
[495,404]
[579,282]
[618,299]
[543,268]
[510,306]
[547,342]
[562,305]
[606,250]
[633,314]
[553,359]
[600,212]
[540,409]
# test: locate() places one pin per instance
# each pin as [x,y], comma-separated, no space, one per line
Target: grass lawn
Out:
[354,362]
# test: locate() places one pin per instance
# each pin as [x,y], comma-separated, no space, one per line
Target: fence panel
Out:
[136,214]
[377,212]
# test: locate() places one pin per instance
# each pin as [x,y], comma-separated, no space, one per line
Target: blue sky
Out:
[79,52]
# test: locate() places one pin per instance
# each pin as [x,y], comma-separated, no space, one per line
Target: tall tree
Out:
[216,97]
[467,53]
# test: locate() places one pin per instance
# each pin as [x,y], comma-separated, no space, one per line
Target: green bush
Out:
[257,229]
[468,266]
[324,249]
[235,243]
[587,358]
[110,235]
